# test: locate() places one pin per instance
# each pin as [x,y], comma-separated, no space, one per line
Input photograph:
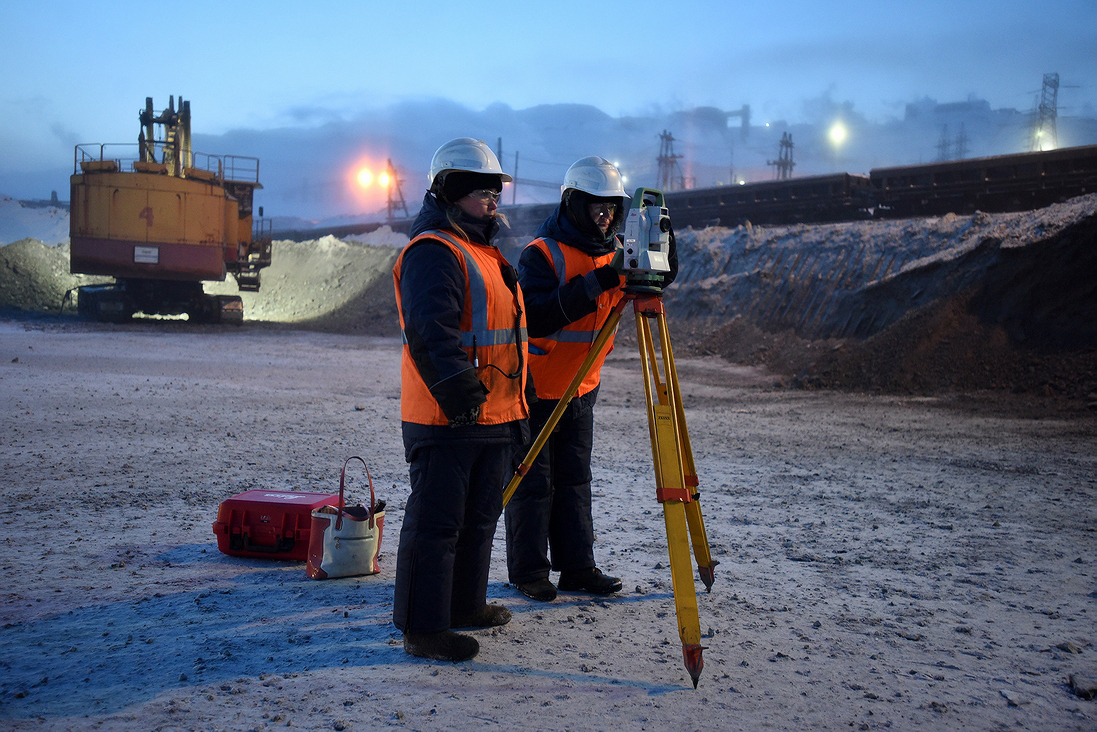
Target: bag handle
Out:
[342,480]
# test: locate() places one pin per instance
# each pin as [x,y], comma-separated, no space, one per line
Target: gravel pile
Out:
[986,301]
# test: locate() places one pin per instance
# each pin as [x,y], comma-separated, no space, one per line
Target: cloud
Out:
[64,135]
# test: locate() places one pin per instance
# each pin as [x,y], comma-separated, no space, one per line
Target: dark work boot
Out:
[589,580]
[443,646]
[489,616]
[541,590]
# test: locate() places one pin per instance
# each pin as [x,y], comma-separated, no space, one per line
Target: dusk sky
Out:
[78,72]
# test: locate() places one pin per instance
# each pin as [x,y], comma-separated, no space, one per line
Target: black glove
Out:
[608,277]
[466,418]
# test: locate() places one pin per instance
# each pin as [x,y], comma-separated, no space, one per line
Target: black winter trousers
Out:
[551,509]
[449,521]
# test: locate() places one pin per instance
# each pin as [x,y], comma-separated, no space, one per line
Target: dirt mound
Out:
[34,277]
[327,284]
[784,353]
[948,347]
[1006,303]
[1003,302]
[945,347]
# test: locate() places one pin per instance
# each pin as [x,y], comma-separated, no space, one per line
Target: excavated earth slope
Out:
[999,302]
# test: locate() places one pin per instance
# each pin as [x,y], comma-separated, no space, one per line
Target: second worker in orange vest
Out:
[570,289]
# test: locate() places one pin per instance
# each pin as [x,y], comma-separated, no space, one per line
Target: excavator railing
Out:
[126,157]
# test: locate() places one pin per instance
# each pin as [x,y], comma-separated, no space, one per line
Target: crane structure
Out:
[1044,134]
[670,173]
[783,165]
[395,194]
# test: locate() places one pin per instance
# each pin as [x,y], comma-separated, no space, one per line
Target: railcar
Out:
[997,184]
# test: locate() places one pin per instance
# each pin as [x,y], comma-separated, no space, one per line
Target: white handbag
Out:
[344,541]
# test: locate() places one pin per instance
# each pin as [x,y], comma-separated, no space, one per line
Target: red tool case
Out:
[268,524]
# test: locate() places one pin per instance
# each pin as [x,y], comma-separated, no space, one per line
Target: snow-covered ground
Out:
[885,562]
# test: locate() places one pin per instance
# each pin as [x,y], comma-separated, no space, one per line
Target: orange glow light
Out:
[366,181]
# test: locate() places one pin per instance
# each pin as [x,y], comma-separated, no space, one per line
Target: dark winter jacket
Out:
[550,306]
[432,292]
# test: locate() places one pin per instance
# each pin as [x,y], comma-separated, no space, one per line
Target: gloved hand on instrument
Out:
[610,275]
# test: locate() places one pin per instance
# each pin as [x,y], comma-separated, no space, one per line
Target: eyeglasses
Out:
[598,210]
[485,194]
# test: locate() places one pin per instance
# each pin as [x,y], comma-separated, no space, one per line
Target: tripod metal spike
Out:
[675,474]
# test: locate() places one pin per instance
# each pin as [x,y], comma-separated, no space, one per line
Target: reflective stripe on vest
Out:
[567,335]
[559,264]
[480,335]
[556,358]
[494,352]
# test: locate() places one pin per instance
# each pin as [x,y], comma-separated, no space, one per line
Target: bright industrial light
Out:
[384,180]
[837,133]
[365,177]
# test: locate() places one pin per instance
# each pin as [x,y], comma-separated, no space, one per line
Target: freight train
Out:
[995,184]
[161,219]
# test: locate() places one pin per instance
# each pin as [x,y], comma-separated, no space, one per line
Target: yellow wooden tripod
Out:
[675,474]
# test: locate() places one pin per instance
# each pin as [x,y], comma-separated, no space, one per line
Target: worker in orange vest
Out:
[462,403]
[570,288]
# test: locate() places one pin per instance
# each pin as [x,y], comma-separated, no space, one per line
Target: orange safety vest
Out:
[487,329]
[555,360]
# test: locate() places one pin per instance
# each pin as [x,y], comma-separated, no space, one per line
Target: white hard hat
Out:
[596,176]
[467,155]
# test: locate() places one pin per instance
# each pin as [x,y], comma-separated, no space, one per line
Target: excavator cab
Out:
[161,219]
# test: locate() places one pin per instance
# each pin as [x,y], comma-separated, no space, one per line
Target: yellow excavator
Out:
[161,219]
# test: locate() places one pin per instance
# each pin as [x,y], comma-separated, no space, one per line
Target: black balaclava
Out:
[576,208]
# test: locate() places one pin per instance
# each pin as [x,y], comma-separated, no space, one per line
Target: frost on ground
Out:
[885,562]
[906,541]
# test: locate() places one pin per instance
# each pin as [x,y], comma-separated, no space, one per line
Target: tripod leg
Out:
[596,349]
[671,491]
[706,565]
[685,596]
